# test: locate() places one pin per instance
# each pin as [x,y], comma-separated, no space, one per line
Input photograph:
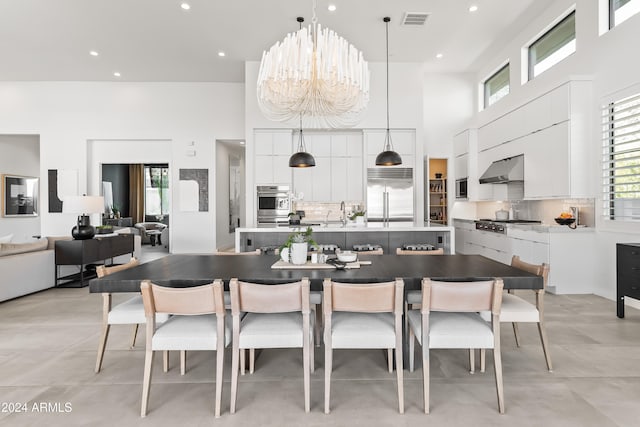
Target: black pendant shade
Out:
[388,157]
[302,159]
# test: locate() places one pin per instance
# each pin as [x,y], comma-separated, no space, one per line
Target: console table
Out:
[83,252]
[628,273]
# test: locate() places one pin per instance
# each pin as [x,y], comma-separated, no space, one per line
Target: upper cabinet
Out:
[272,151]
[551,131]
[338,173]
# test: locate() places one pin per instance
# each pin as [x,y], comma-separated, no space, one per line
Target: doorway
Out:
[436,192]
[230,191]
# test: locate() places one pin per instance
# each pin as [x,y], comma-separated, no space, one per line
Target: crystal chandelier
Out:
[316,73]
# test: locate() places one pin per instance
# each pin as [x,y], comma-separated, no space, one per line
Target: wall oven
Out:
[461,188]
[274,203]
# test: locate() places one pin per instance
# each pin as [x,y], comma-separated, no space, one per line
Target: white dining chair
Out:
[449,318]
[197,323]
[362,315]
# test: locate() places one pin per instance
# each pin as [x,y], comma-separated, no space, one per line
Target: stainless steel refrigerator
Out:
[390,195]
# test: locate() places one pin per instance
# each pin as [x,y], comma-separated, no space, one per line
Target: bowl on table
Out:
[347,256]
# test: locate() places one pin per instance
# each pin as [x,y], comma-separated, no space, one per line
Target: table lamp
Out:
[83,205]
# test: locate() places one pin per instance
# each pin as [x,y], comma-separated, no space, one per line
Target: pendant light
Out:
[301,159]
[388,157]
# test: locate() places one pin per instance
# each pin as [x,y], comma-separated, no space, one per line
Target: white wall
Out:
[20,155]
[67,115]
[612,63]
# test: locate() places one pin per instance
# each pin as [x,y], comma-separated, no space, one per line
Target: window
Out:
[621,10]
[156,195]
[553,46]
[496,86]
[621,159]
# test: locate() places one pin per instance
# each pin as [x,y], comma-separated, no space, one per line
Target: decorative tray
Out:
[282,265]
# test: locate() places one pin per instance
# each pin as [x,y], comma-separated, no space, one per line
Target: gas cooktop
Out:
[512,221]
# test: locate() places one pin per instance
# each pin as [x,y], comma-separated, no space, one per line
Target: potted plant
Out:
[294,250]
[358,217]
[116,211]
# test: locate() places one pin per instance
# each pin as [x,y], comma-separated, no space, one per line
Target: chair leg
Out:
[242,360]
[390,359]
[472,360]
[134,335]
[312,353]
[400,376]
[426,377]
[516,334]
[165,361]
[183,362]
[235,355]
[412,343]
[328,366]
[146,384]
[306,359]
[219,380]
[483,360]
[545,345]
[252,360]
[102,346]
[318,325]
[497,365]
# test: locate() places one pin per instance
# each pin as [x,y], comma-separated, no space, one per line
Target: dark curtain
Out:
[136,193]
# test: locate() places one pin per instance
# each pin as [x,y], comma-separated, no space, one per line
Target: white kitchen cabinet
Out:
[272,149]
[461,168]
[547,169]
[461,143]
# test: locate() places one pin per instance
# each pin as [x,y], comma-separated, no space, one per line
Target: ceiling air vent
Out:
[414,18]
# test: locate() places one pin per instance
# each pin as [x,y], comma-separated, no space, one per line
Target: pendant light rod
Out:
[386,19]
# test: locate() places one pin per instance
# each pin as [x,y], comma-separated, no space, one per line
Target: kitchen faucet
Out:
[326,219]
[343,215]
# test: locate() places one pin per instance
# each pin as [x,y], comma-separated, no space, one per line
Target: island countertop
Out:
[389,238]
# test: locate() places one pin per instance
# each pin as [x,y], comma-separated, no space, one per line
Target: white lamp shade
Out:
[83,204]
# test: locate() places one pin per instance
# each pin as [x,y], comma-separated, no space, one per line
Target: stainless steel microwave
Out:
[461,188]
[273,205]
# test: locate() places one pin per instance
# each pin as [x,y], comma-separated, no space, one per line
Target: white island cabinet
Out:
[389,238]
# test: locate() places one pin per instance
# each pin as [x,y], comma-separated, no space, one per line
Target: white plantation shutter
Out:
[621,159]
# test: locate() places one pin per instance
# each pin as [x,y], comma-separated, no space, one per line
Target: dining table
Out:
[184,270]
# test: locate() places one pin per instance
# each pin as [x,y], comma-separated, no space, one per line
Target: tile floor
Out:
[48,345]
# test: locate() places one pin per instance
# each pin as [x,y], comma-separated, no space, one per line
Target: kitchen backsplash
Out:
[543,210]
[320,211]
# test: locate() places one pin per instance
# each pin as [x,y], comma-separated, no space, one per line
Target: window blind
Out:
[621,159]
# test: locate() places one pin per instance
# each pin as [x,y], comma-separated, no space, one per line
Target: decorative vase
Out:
[298,253]
[360,221]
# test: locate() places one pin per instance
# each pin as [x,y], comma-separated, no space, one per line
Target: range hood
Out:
[504,171]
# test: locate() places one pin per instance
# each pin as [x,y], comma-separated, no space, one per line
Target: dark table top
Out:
[193,270]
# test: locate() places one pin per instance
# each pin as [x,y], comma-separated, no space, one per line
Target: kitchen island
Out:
[389,238]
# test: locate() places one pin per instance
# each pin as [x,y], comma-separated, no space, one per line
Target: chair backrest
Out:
[462,296]
[537,269]
[256,252]
[258,298]
[196,300]
[400,251]
[105,271]
[363,297]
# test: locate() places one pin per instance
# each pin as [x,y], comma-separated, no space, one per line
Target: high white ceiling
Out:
[156,40]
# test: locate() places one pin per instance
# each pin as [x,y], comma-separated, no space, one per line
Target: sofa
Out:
[30,267]
[27,267]
[143,227]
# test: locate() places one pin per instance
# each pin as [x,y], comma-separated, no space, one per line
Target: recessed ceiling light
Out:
[439,56]
[473,8]
[185,6]
[93,53]
[332,8]
[221,53]
[116,74]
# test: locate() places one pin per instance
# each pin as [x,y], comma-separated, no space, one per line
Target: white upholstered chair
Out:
[363,315]
[130,312]
[449,319]
[276,316]
[517,310]
[197,323]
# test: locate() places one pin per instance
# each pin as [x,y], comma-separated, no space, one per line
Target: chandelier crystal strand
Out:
[316,73]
